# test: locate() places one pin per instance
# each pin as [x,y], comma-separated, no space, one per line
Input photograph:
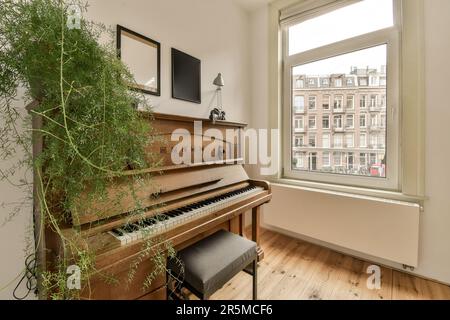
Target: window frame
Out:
[391,38]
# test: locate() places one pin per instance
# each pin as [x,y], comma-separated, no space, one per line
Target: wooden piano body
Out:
[177,186]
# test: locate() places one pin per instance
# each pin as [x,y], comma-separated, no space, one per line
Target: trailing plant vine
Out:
[91,133]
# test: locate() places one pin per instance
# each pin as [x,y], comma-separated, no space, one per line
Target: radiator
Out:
[381,228]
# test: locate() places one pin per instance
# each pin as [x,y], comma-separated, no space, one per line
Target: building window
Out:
[349,121]
[299,83]
[362,82]
[355,65]
[326,159]
[373,101]
[337,122]
[337,143]
[363,101]
[338,102]
[299,124]
[299,160]
[312,102]
[325,122]
[312,140]
[382,120]
[326,141]
[362,121]
[299,104]
[349,143]
[383,101]
[373,121]
[326,102]
[337,159]
[298,142]
[362,140]
[382,81]
[312,122]
[363,159]
[350,102]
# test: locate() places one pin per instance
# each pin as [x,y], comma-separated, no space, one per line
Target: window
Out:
[299,83]
[325,122]
[349,121]
[325,141]
[363,102]
[326,102]
[337,143]
[373,101]
[362,121]
[363,159]
[350,102]
[326,159]
[298,124]
[312,102]
[337,122]
[383,101]
[337,158]
[312,122]
[299,160]
[353,56]
[383,121]
[338,102]
[349,140]
[299,104]
[298,141]
[312,140]
[373,120]
[362,140]
[368,16]
[363,82]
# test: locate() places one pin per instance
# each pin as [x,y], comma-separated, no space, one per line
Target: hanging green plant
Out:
[90,131]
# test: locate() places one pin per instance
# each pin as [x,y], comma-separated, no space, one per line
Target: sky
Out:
[348,22]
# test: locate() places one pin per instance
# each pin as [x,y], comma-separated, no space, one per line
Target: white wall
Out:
[215,31]
[434,242]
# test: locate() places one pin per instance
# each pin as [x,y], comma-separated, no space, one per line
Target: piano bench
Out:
[211,262]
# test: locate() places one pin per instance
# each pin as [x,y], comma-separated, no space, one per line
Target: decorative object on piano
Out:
[186,77]
[81,110]
[217,113]
[142,55]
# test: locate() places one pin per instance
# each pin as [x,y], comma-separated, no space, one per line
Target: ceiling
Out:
[251,5]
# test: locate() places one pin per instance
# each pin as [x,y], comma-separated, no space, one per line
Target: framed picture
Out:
[186,77]
[142,55]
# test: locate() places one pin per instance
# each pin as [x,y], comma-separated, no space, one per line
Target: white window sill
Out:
[349,191]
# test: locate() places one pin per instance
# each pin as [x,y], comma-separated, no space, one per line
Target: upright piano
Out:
[190,201]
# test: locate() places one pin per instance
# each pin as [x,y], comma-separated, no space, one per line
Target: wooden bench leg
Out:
[255,279]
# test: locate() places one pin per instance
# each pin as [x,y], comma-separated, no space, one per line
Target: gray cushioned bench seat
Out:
[213,261]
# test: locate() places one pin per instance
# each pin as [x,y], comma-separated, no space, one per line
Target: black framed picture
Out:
[142,55]
[186,77]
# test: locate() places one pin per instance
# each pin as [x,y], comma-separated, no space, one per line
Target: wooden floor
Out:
[294,269]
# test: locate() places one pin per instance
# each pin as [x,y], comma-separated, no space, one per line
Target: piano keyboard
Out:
[171,219]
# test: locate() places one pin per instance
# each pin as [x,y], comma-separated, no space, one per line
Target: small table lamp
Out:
[217,113]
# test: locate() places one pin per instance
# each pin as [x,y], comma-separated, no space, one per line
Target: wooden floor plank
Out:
[293,269]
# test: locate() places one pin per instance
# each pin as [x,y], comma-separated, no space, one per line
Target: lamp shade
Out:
[218,81]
